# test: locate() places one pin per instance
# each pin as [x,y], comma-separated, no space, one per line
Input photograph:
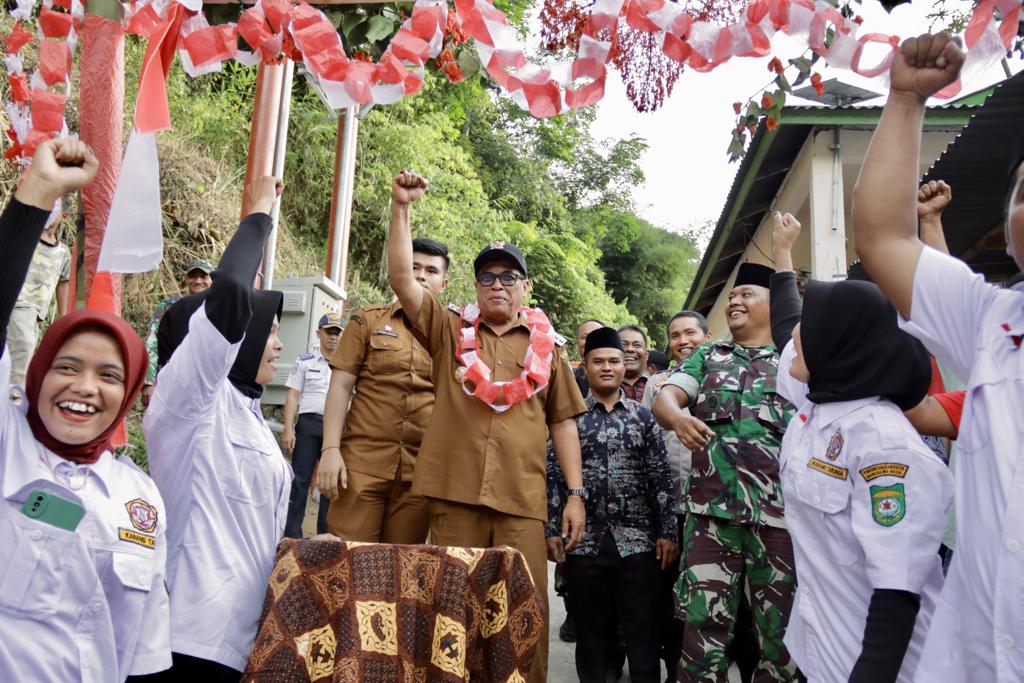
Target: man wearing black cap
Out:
[735,539]
[502,382]
[631,522]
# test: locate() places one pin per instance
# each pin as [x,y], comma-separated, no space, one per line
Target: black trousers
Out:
[671,629]
[189,669]
[309,435]
[633,581]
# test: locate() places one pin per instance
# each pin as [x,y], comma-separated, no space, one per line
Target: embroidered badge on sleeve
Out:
[884,469]
[888,504]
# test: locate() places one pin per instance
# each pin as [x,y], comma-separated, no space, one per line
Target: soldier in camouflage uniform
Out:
[735,538]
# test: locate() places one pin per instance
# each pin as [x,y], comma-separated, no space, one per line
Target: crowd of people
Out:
[756,508]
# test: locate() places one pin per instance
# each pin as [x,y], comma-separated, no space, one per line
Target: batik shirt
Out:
[732,390]
[627,478]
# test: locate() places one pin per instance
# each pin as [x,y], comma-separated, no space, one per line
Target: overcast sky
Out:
[687,169]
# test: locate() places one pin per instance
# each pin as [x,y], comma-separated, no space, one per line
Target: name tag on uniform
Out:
[830,470]
[145,540]
[387,333]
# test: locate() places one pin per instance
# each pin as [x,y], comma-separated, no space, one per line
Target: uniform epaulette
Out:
[305,356]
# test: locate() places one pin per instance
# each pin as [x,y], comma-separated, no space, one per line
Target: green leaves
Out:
[380,27]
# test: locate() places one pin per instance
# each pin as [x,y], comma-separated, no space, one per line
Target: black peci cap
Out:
[602,338]
[753,274]
[496,250]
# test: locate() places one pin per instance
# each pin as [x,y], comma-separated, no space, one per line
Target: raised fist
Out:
[785,230]
[58,167]
[261,194]
[926,64]
[407,187]
[932,199]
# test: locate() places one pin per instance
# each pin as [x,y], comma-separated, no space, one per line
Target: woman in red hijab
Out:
[82,533]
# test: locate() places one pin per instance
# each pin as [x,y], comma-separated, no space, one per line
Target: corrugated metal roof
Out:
[975,165]
[762,171]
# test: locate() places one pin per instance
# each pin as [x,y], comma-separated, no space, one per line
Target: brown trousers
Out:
[377,510]
[476,526]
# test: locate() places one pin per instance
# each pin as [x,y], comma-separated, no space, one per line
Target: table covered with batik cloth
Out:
[378,613]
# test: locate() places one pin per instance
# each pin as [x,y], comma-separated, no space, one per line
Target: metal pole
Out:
[284,112]
[263,132]
[349,149]
[341,201]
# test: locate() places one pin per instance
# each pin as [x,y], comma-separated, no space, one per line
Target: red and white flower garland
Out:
[536,364]
[277,29]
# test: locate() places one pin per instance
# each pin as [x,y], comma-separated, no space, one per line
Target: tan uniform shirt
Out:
[472,454]
[393,393]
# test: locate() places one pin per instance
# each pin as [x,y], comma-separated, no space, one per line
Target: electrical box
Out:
[306,300]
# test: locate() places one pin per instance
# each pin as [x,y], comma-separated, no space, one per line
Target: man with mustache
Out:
[502,384]
[634,343]
[735,538]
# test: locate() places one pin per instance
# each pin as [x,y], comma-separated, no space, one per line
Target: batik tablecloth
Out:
[376,613]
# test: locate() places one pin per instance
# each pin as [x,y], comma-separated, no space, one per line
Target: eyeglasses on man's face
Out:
[507,278]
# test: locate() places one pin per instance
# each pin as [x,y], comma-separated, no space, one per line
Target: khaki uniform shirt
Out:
[470,453]
[393,393]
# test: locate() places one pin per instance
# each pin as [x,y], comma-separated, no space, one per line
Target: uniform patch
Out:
[835,445]
[888,504]
[884,469]
[142,514]
[830,470]
[454,309]
[135,537]
[358,319]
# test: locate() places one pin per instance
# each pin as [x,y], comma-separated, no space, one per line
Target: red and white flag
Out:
[133,241]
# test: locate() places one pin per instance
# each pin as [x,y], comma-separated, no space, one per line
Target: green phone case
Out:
[53,510]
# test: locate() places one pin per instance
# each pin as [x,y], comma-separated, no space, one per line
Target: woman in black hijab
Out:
[217,464]
[866,500]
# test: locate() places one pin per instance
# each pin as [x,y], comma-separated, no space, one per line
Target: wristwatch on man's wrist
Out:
[579,493]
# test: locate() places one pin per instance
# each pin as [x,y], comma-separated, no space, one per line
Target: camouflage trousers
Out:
[722,560]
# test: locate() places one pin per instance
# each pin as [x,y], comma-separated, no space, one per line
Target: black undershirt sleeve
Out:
[785,306]
[890,625]
[228,305]
[20,228]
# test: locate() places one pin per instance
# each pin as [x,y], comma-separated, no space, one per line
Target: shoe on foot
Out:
[567,631]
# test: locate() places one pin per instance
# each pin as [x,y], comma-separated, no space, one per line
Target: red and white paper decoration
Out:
[278,29]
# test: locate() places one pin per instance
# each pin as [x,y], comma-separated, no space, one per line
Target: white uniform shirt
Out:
[226,485]
[680,459]
[866,504]
[311,377]
[88,605]
[976,330]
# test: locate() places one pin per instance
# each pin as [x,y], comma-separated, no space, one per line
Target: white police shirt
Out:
[976,330]
[88,605]
[866,505]
[226,485]
[311,377]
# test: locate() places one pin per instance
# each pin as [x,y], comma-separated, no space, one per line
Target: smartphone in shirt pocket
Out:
[51,509]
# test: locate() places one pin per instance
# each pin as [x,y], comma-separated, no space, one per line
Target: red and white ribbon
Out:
[536,363]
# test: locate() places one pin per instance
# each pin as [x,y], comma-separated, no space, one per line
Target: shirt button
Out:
[501,362]
[1007,642]
[490,441]
[36,534]
[142,579]
[1012,546]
